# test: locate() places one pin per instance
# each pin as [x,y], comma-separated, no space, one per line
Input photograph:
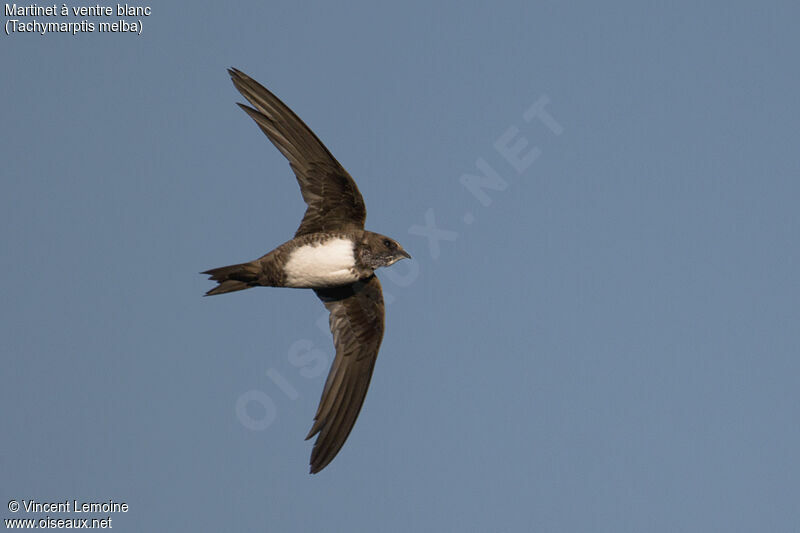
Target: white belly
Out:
[321,265]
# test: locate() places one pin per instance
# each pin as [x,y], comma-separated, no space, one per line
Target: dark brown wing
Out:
[357,325]
[333,200]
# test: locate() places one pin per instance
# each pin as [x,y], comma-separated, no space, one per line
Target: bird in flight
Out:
[332,254]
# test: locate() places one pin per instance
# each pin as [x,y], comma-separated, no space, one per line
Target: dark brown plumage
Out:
[357,325]
[319,257]
[334,202]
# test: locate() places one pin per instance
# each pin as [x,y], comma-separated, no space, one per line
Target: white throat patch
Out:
[321,265]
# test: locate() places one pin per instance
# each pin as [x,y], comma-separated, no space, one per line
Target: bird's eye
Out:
[389,244]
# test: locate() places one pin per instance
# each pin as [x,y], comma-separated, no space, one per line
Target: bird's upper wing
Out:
[334,202]
[357,325]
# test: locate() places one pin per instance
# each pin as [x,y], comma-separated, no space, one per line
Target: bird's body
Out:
[311,261]
[332,254]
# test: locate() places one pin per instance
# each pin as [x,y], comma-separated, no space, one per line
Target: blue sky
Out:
[606,340]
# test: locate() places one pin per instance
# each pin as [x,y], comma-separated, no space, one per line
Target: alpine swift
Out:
[332,254]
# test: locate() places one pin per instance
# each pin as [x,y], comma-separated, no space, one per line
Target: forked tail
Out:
[234,277]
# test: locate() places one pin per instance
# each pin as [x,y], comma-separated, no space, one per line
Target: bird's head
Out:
[378,250]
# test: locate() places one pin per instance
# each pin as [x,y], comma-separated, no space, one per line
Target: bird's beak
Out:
[405,254]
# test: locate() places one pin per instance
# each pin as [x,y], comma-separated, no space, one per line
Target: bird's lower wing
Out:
[356,320]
